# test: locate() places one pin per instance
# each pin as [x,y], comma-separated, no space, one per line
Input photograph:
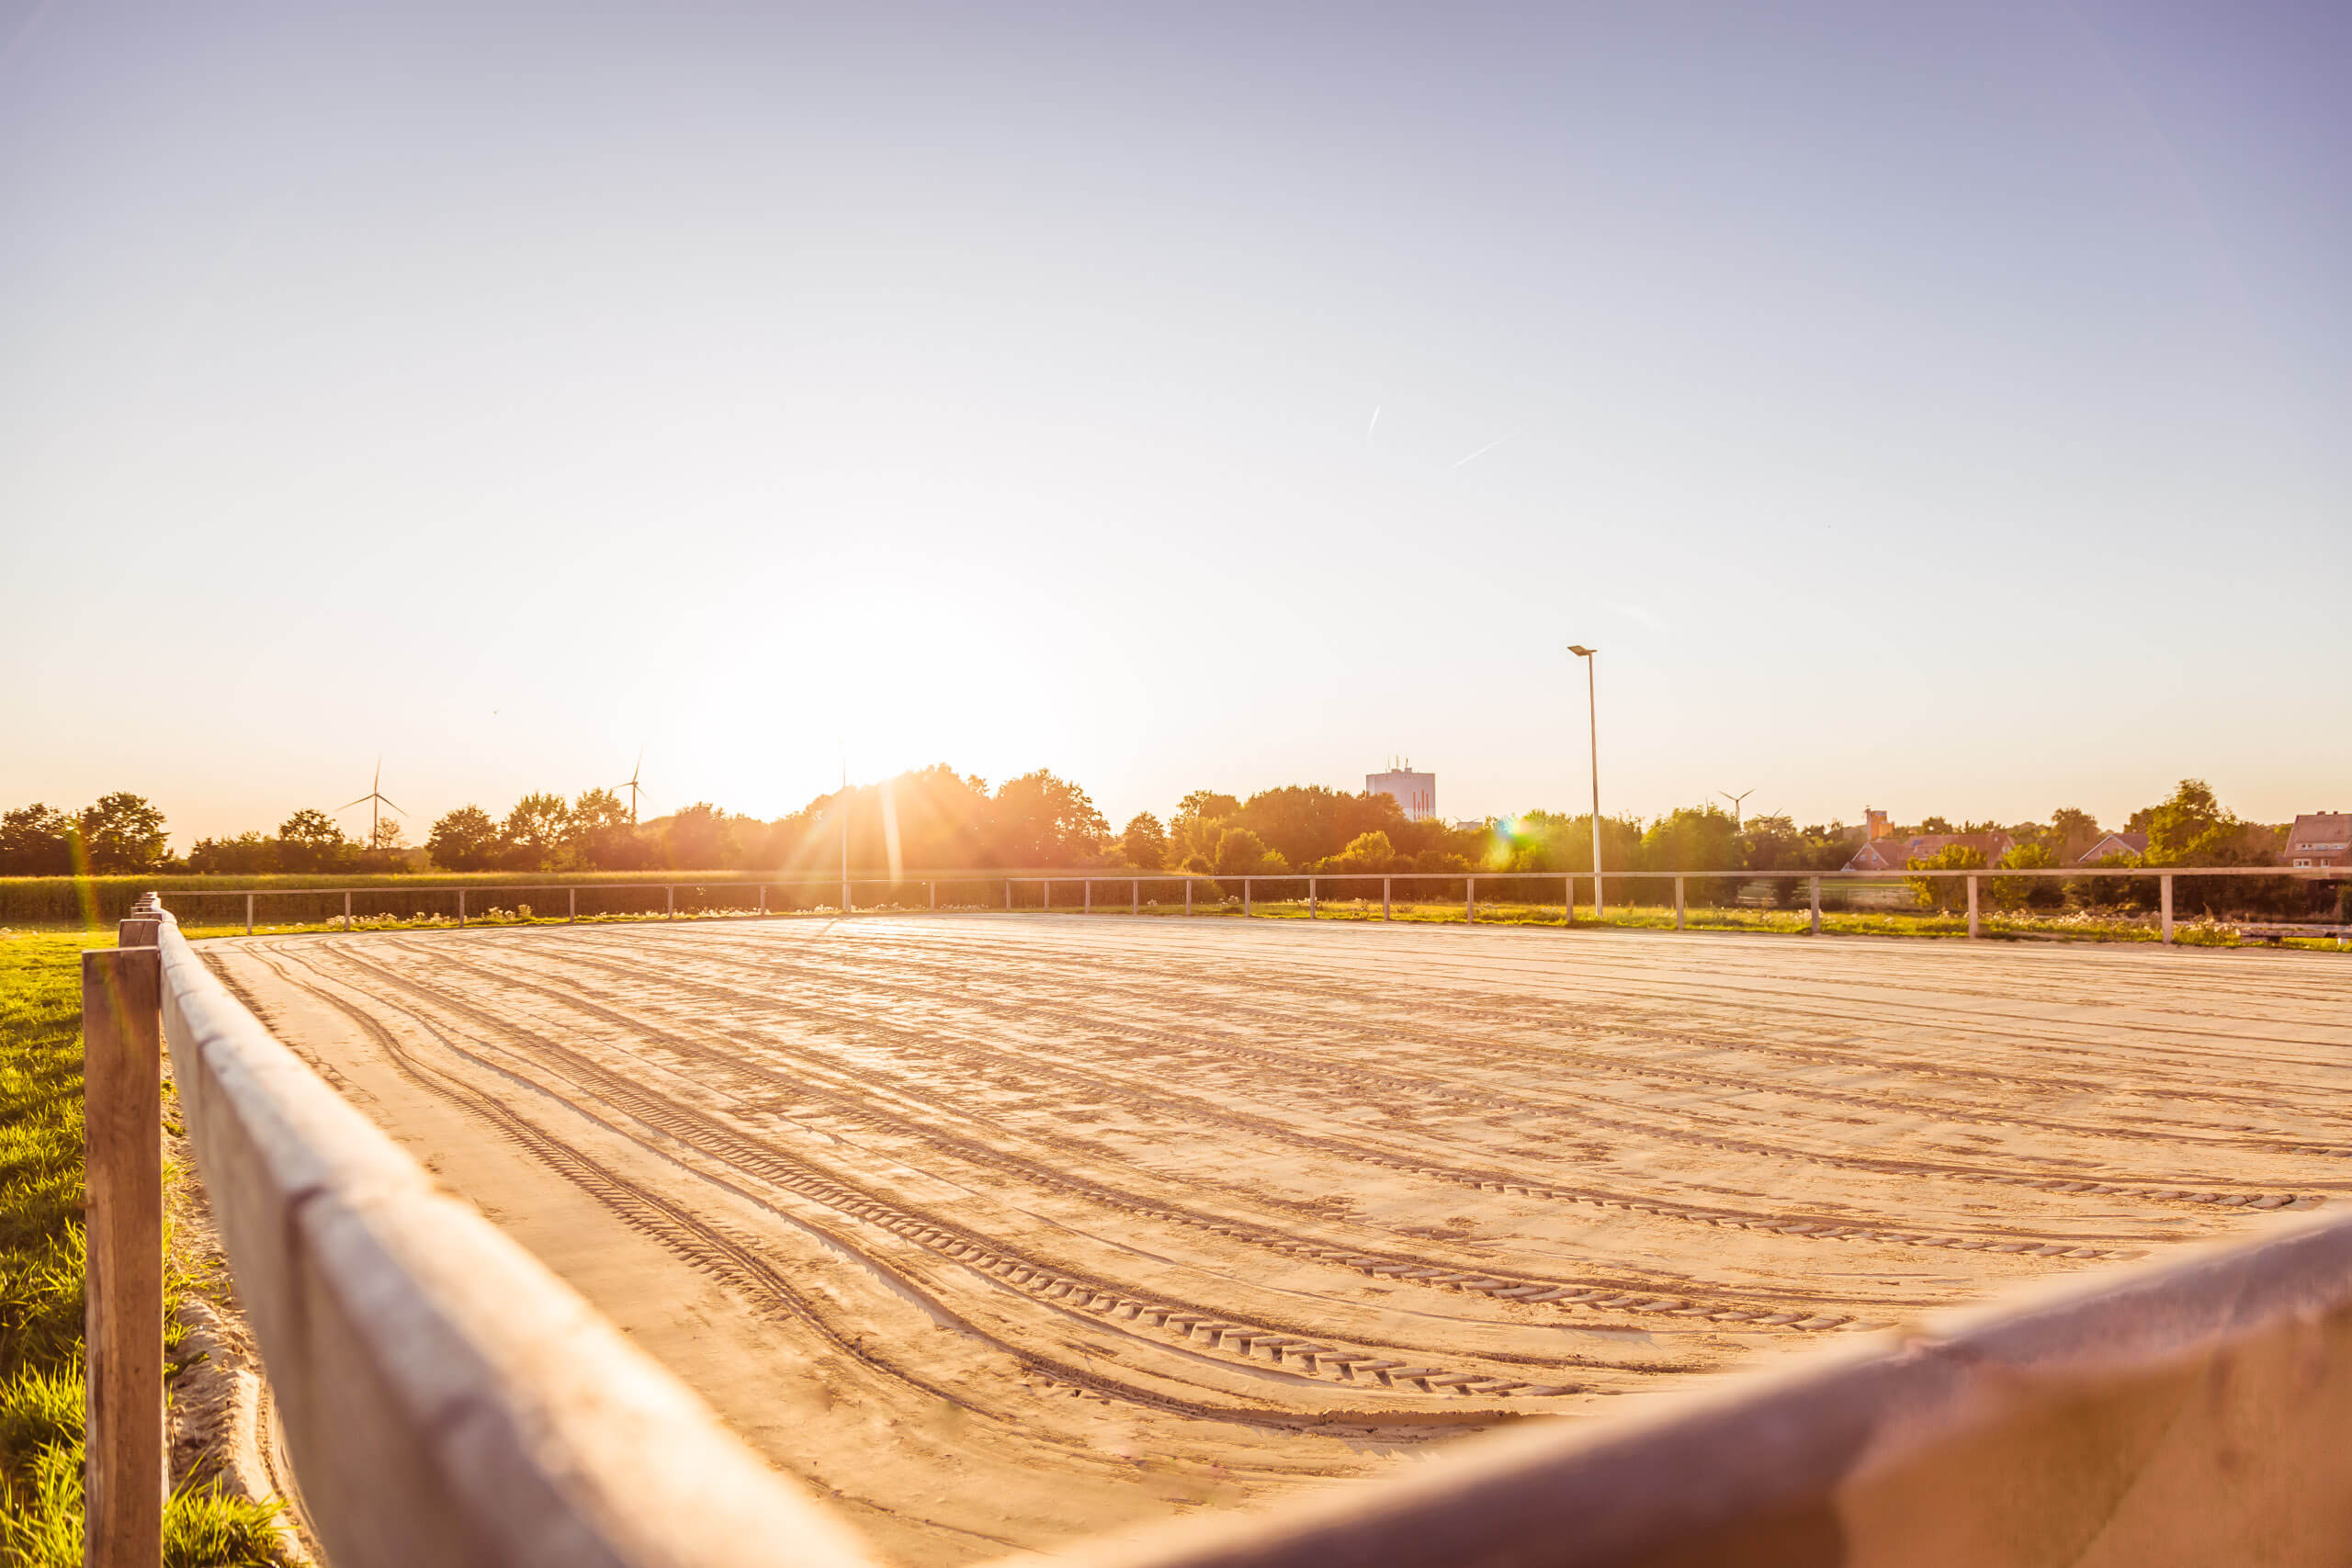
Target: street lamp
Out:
[1592,710]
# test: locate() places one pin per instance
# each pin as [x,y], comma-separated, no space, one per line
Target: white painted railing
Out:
[1187,888]
[447,1401]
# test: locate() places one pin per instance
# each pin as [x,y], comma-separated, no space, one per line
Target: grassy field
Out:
[40,1283]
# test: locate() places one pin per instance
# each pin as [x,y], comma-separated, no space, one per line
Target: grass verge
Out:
[40,1285]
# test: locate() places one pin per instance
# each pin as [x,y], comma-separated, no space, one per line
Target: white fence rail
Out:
[1167,891]
[447,1401]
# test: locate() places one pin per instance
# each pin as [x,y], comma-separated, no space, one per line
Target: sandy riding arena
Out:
[1003,1230]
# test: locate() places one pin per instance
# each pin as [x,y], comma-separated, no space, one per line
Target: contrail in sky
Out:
[1488,446]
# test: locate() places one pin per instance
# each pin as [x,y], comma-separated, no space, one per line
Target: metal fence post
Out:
[1470,901]
[2164,894]
[123,1466]
[461,906]
[1678,904]
[1568,900]
[1310,897]
[1087,906]
[1245,895]
[934,893]
[1385,883]
[1046,892]
[249,914]
[1188,896]
[1973,929]
[1008,893]
[346,909]
[669,901]
[572,905]
[1816,907]
[1135,895]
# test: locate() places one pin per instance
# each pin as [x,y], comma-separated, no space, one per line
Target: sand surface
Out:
[1001,1230]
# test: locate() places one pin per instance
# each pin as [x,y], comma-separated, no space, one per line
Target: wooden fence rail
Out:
[447,1401]
[1312,884]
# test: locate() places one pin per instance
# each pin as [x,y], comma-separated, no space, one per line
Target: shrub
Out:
[1946,893]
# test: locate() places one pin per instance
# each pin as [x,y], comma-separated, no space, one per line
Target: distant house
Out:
[2320,838]
[1897,851]
[2114,844]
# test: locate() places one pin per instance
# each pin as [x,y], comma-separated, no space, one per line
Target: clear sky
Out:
[1940,408]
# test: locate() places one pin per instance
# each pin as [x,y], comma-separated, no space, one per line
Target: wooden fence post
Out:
[1971,908]
[572,905]
[249,914]
[1385,884]
[1135,895]
[1310,897]
[1470,902]
[1188,896]
[2164,894]
[346,909]
[123,1474]
[1677,903]
[1816,907]
[1086,905]
[1245,897]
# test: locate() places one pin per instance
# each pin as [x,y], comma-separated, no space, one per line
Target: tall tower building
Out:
[1415,793]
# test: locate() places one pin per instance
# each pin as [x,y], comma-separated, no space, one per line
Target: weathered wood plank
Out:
[446,1398]
[2172,1416]
[123,1288]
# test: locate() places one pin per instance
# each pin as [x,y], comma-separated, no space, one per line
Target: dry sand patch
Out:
[1006,1229]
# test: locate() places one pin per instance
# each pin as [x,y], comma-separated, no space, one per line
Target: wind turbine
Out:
[1734,800]
[633,787]
[373,799]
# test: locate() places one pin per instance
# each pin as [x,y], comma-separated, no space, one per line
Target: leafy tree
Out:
[1199,822]
[2192,828]
[601,835]
[1366,853]
[538,832]
[124,832]
[1208,805]
[464,839]
[2038,892]
[1041,820]
[1935,825]
[1144,843]
[386,835]
[703,838]
[1946,893]
[1308,823]
[1240,852]
[1689,838]
[2072,833]
[1777,844]
[311,840]
[247,854]
[36,840]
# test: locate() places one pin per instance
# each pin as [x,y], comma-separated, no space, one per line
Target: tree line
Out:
[937,820]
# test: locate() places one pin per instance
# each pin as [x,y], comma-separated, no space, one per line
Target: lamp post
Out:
[1593,713]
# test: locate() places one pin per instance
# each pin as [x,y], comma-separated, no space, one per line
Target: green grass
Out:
[41,1284]
[2012,925]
